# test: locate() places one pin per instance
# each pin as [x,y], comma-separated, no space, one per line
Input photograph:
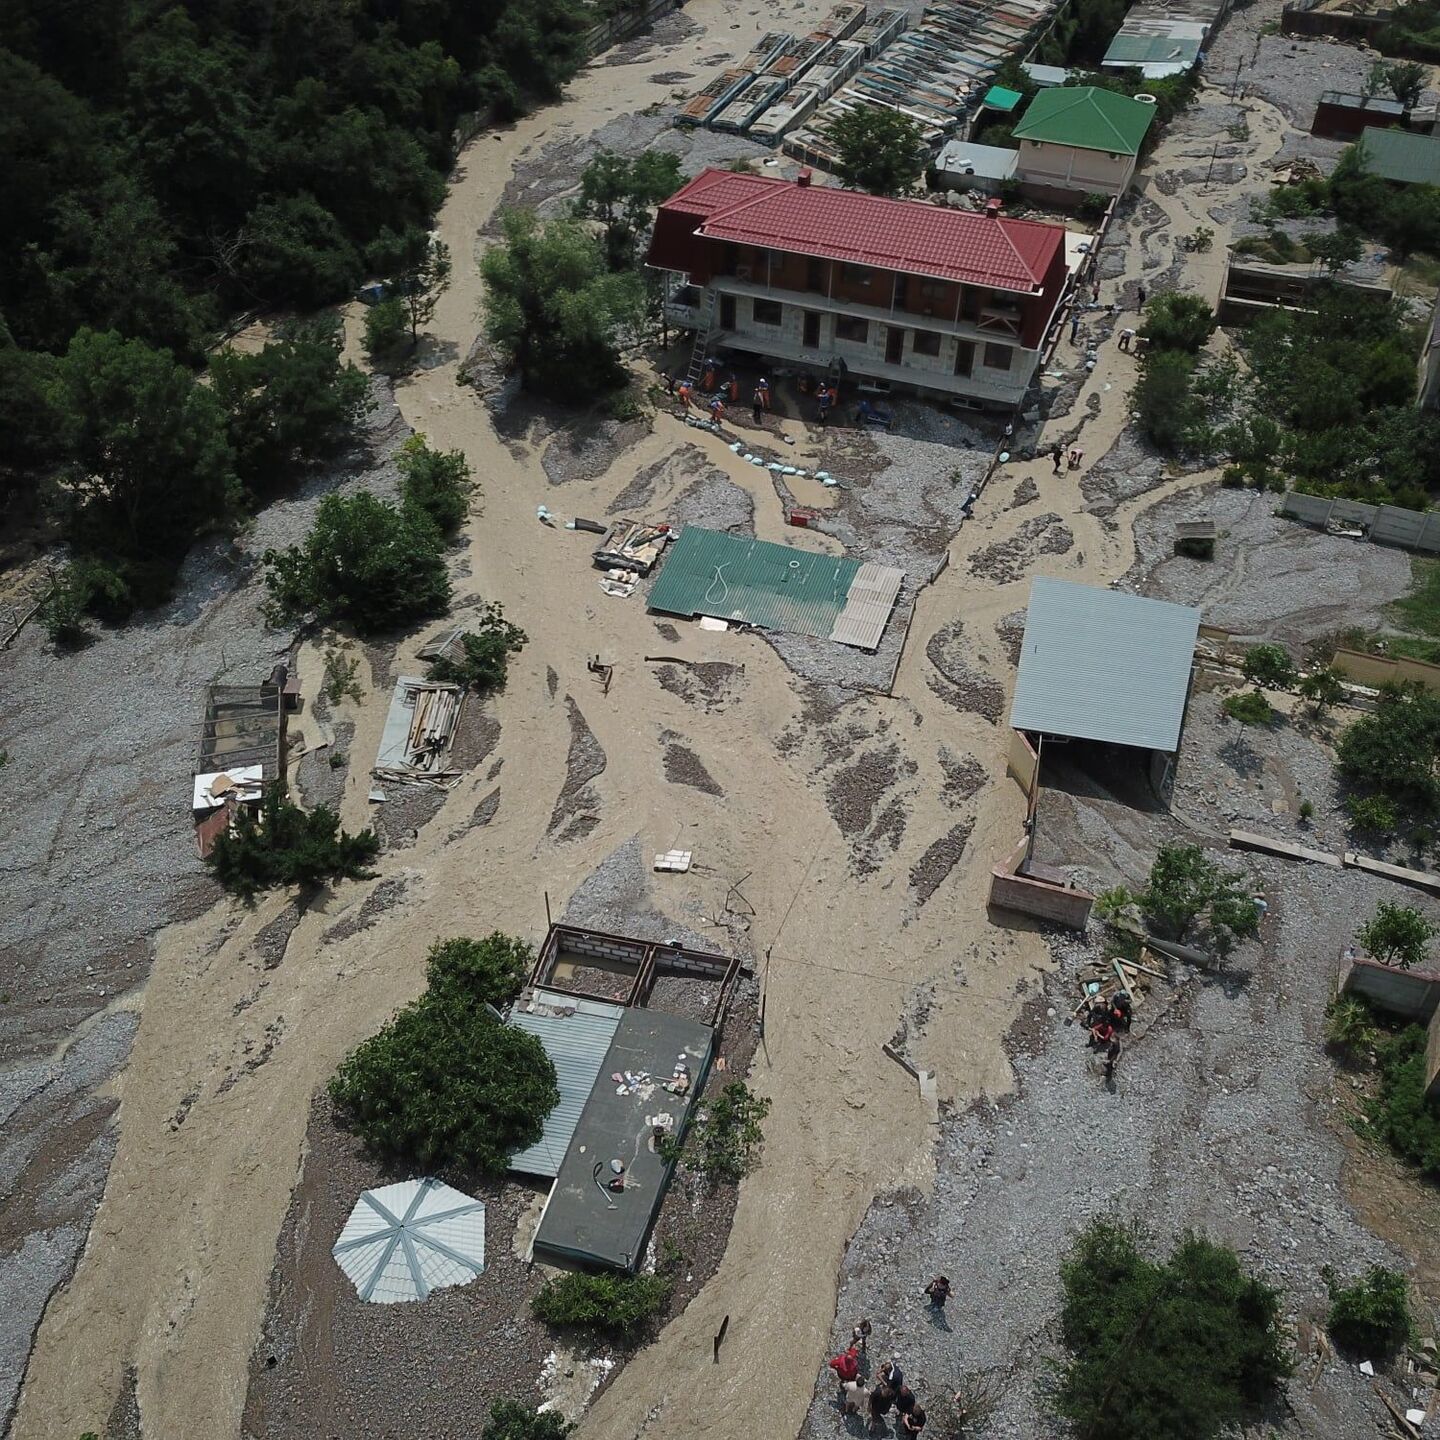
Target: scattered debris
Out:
[632,545]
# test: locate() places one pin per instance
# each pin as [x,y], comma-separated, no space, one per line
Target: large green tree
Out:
[150,462]
[1185,1347]
[446,1083]
[878,150]
[364,563]
[554,308]
[621,192]
[287,405]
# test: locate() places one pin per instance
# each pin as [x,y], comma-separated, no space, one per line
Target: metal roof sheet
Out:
[1088,118]
[1101,665]
[1399,156]
[868,605]
[403,1241]
[575,1034]
[905,235]
[754,582]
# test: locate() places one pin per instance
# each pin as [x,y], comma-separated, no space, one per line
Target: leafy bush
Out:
[387,327]
[1372,814]
[1178,321]
[363,562]
[723,1139]
[285,845]
[1249,707]
[621,1306]
[1401,1115]
[1186,885]
[75,591]
[1269,665]
[1307,810]
[1392,752]
[445,1083]
[1323,688]
[479,972]
[486,651]
[509,1420]
[1372,1316]
[437,483]
[1349,1025]
[1196,1340]
[1397,935]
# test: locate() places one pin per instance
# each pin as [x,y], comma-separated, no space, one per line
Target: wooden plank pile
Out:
[1101,980]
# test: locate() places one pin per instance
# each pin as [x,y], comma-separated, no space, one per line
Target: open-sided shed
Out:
[1103,666]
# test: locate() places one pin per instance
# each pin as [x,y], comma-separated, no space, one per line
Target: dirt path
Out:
[214,1100]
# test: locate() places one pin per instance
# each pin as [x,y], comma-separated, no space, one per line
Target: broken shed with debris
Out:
[1102,670]
[776,587]
[630,1026]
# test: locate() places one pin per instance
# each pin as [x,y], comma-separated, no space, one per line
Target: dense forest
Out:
[165,166]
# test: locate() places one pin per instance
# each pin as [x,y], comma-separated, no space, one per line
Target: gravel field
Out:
[1271,578]
[98,853]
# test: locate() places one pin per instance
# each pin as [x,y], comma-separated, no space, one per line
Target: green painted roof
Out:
[1088,118]
[1399,156]
[732,577]
[997,97]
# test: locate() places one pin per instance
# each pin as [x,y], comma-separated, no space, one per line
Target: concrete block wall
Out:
[1410,994]
[594,948]
[1385,524]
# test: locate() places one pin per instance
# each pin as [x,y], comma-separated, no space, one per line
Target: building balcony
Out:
[685,303]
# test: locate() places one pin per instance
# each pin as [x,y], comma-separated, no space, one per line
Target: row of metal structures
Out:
[789,89]
[934,73]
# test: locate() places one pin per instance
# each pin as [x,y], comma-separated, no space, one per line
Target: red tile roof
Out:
[846,225]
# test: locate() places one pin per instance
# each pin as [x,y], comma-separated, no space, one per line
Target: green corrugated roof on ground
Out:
[1399,156]
[997,97]
[1087,117]
[755,582]
[1136,49]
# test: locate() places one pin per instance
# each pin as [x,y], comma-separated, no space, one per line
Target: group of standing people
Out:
[889,1390]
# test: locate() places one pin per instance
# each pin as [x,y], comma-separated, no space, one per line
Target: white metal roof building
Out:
[1102,665]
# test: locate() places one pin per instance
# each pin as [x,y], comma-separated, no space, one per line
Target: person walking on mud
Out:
[757,406]
[1057,454]
[939,1291]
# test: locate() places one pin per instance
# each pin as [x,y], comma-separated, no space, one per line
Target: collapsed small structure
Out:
[629,1074]
[415,743]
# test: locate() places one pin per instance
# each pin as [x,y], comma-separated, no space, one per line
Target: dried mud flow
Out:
[847,856]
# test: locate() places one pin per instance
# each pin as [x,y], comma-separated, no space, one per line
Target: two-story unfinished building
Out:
[897,294]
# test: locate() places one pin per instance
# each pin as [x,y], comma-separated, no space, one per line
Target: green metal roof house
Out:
[1400,156]
[1081,139]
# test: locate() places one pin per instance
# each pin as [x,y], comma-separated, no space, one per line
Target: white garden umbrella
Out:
[403,1241]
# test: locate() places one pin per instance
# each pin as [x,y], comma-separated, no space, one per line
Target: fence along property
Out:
[1384,524]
